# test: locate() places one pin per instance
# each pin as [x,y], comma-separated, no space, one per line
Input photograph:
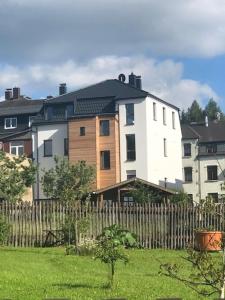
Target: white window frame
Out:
[164,115]
[165,147]
[11,127]
[173,120]
[154,111]
[19,145]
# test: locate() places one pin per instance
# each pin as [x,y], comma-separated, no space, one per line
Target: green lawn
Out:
[30,274]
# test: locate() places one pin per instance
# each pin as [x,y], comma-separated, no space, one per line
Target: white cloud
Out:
[162,78]
[56,30]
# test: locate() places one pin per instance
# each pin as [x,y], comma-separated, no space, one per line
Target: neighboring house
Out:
[204,160]
[16,114]
[122,130]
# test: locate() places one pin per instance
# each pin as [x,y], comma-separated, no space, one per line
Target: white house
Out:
[203,156]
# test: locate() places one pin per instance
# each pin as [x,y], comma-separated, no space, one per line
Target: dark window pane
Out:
[48,148]
[211,148]
[69,110]
[214,197]
[130,114]
[188,174]
[65,147]
[82,131]
[104,127]
[105,160]
[131,152]
[187,149]
[212,172]
[14,122]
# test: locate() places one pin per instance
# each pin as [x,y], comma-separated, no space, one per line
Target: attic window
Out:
[10,123]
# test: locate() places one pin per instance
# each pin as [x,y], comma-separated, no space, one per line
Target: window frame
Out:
[128,151]
[10,127]
[48,155]
[213,178]
[82,131]
[173,120]
[101,128]
[165,147]
[66,146]
[128,114]
[186,175]
[164,115]
[185,153]
[21,145]
[104,166]
[154,111]
[211,148]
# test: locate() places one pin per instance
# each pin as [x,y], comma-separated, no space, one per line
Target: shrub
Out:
[4,230]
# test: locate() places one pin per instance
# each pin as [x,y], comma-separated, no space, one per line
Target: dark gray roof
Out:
[215,132]
[18,107]
[108,88]
[95,106]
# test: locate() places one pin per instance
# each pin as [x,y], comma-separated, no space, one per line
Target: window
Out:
[211,148]
[130,114]
[190,198]
[173,119]
[131,152]
[105,160]
[104,127]
[10,123]
[164,116]
[17,148]
[187,149]
[154,112]
[212,173]
[66,150]
[165,147]
[131,174]
[69,110]
[82,131]
[48,148]
[188,174]
[214,197]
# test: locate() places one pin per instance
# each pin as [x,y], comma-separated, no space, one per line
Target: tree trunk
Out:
[112,272]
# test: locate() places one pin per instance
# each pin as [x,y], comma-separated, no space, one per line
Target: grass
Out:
[41,273]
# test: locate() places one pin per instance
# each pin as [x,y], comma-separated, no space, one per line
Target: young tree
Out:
[16,175]
[68,182]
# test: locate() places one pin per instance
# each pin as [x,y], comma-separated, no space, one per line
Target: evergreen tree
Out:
[212,109]
[195,113]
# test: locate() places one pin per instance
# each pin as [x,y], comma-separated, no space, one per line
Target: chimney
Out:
[135,81]
[138,82]
[62,89]
[206,121]
[8,94]
[16,93]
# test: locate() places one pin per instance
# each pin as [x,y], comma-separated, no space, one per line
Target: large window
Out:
[48,148]
[131,152]
[105,160]
[154,112]
[17,148]
[188,174]
[66,149]
[212,173]
[130,114]
[187,149]
[104,127]
[10,123]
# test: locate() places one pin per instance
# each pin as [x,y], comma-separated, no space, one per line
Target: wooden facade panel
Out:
[88,147]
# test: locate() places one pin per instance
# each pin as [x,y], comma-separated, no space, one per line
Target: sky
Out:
[177,46]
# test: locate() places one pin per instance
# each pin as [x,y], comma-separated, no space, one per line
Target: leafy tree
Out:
[16,175]
[68,182]
[212,109]
[110,246]
[195,113]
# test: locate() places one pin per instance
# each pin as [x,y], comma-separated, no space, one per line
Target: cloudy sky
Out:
[178,46]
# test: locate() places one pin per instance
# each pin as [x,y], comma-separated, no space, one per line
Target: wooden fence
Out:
[156,225]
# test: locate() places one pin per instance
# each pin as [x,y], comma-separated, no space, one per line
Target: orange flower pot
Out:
[208,240]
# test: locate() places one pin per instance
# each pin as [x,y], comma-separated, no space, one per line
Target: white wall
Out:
[150,163]
[200,186]
[56,132]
